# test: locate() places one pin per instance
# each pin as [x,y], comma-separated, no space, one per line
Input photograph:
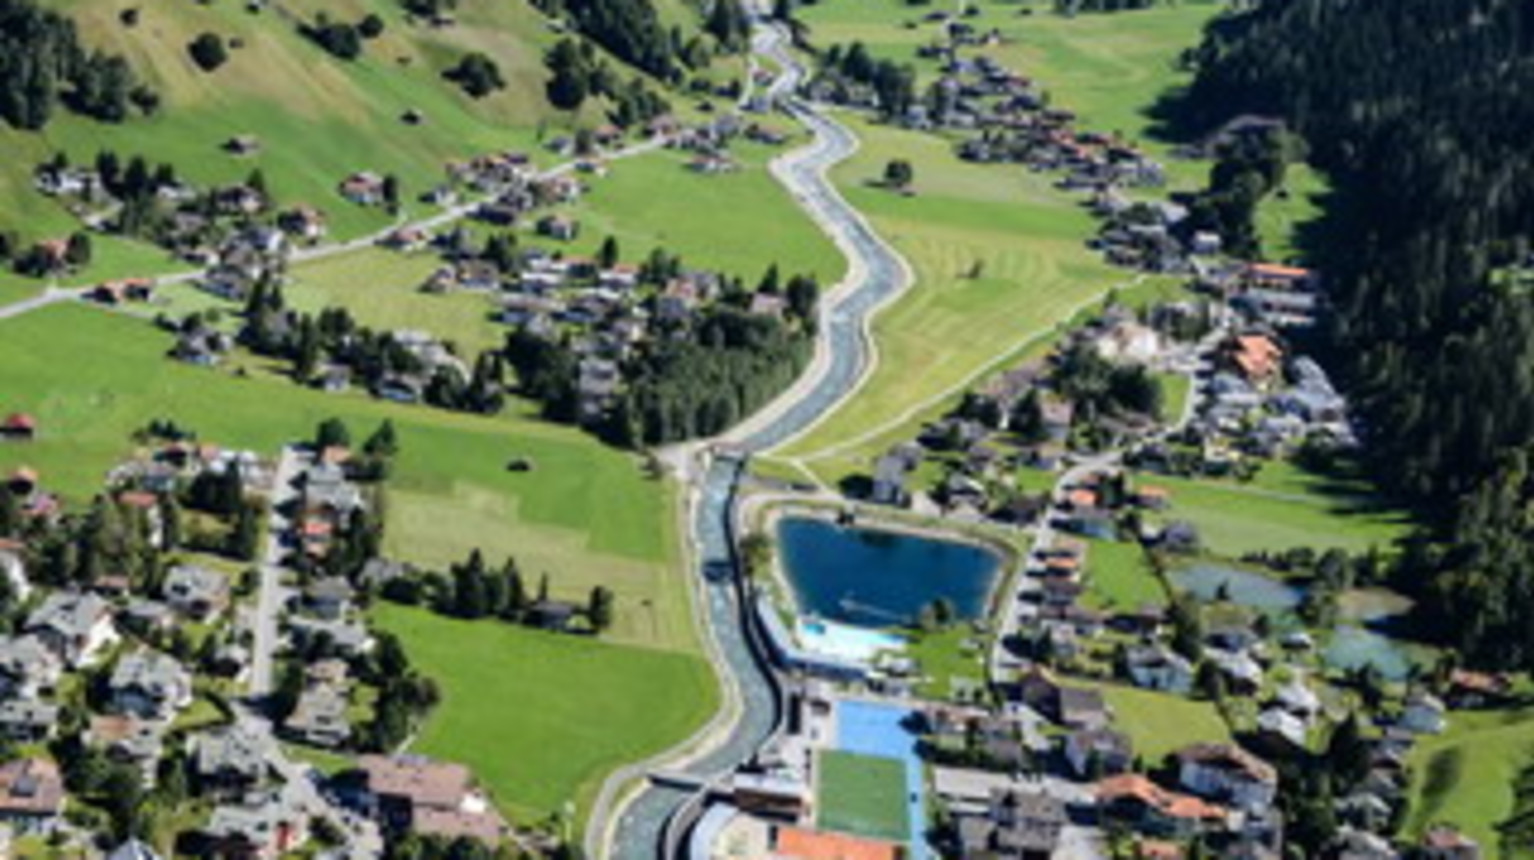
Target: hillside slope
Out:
[317,118]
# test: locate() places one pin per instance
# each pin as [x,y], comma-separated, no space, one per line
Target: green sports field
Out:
[542,718]
[586,514]
[862,795]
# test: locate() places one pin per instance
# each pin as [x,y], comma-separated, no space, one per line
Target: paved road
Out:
[273,595]
[876,274]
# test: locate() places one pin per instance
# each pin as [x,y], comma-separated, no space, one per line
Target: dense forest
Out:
[1420,112]
[42,63]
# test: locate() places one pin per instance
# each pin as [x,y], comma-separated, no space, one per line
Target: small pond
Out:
[1243,587]
[874,578]
[1353,647]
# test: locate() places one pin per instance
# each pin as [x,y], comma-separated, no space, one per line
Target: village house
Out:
[409,793]
[31,795]
[329,598]
[265,826]
[18,427]
[231,760]
[558,227]
[129,740]
[75,626]
[196,592]
[1424,714]
[28,720]
[13,569]
[1227,773]
[1144,806]
[28,667]
[1442,842]
[319,717]
[364,188]
[1094,753]
[1157,667]
[149,685]
[1019,824]
[303,222]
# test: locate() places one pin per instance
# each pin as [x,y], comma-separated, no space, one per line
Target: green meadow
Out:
[1284,507]
[586,514]
[1161,723]
[1465,775]
[542,718]
[999,260]
[861,794]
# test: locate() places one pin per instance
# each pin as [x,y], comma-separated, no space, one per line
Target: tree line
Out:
[44,63]
[1419,111]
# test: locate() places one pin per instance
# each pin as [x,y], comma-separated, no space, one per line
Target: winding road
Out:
[843,355]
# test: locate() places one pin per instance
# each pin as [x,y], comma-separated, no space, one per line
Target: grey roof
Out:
[188,583]
[157,674]
[234,749]
[72,614]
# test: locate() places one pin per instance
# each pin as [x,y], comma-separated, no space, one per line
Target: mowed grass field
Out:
[1160,723]
[1120,578]
[1465,776]
[585,515]
[861,794]
[541,717]
[738,223]
[1282,508]
[998,257]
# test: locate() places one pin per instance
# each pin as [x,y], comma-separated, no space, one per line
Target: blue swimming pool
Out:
[874,578]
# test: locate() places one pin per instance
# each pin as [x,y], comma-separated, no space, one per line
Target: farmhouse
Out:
[18,427]
[74,626]
[196,592]
[149,685]
[31,795]
[432,798]
[1227,773]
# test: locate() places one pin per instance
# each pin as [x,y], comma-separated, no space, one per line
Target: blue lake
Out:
[875,578]
[1242,587]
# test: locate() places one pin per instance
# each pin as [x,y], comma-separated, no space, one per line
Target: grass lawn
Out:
[1175,389]
[737,223]
[999,260]
[1280,509]
[944,660]
[382,290]
[1159,723]
[1120,578]
[586,514]
[1465,776]
[861,794]
[542,718]
[1280,219]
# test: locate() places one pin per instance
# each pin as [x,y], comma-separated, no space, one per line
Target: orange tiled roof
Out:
[813,845]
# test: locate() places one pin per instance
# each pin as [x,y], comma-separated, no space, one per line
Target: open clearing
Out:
[1159,723]
[586,514]
[1280,510]
[1465,776]
[542,718]
[998,256]
[861,794]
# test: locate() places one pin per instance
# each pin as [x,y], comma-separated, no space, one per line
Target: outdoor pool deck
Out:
[845,642]
[875,729]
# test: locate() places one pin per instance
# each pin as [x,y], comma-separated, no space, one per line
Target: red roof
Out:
[19,421]
[813,845]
